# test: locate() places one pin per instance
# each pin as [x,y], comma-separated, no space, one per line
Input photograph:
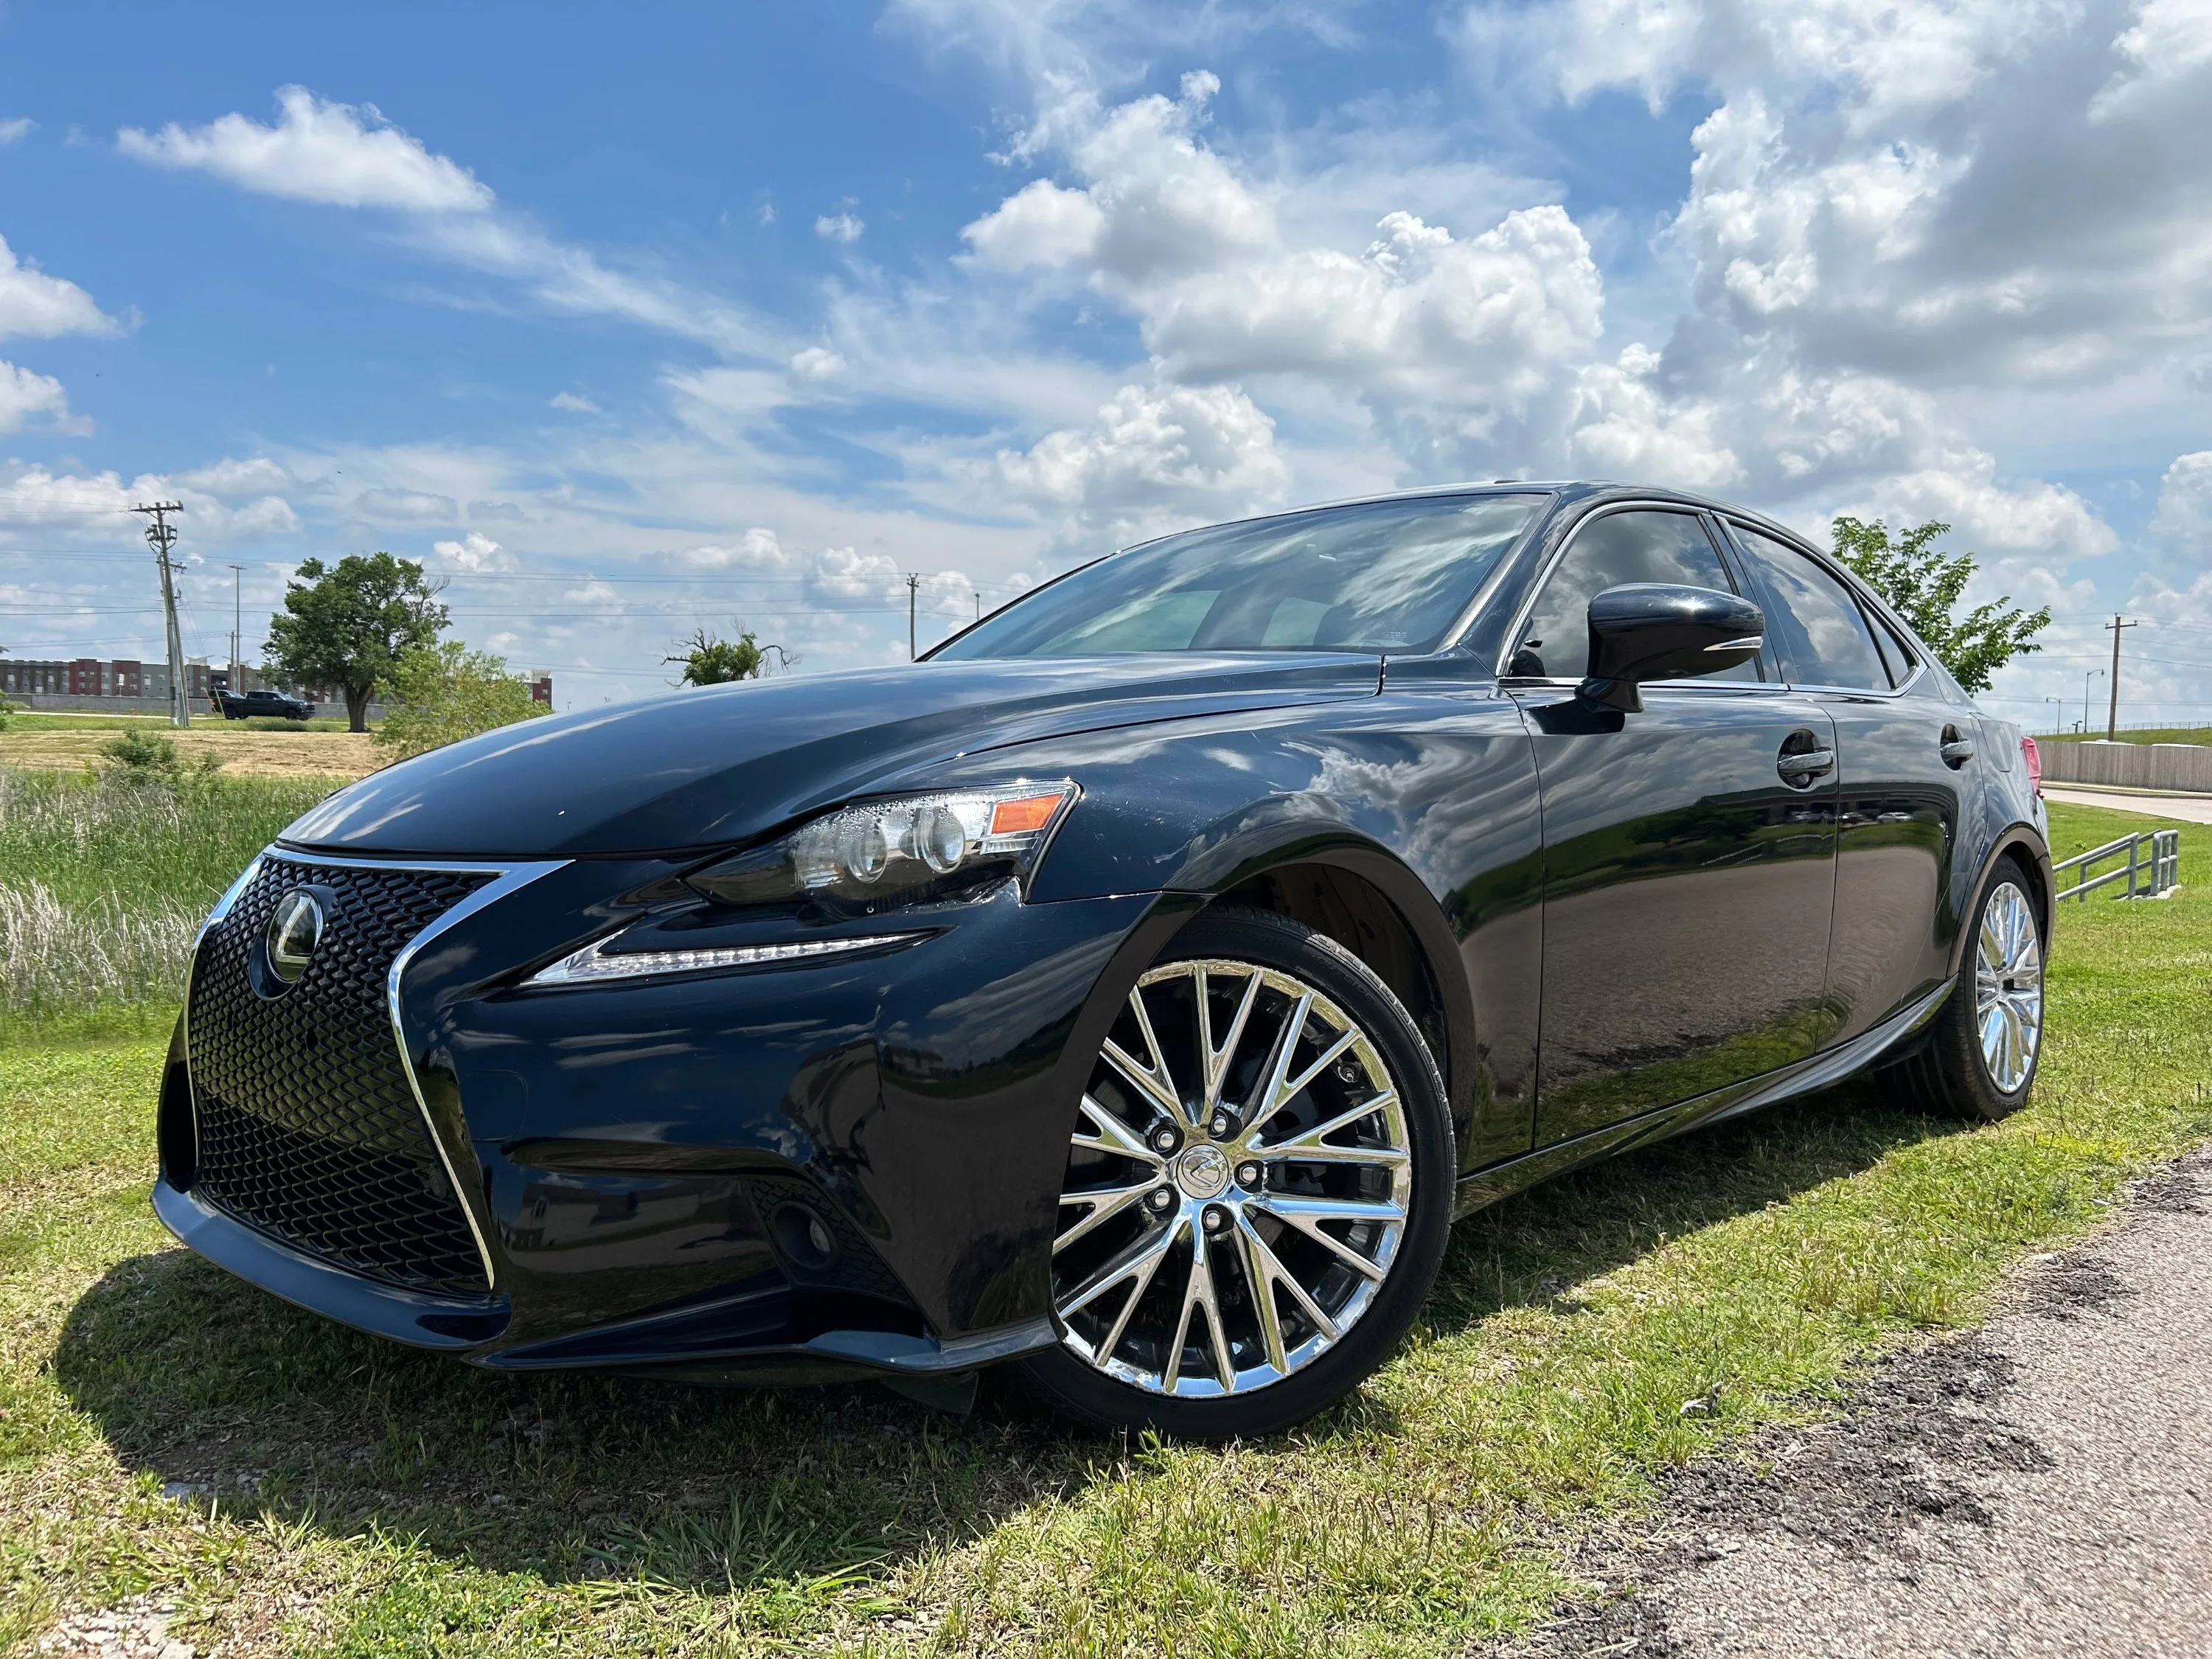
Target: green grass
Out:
[2164,734]
[346,1497]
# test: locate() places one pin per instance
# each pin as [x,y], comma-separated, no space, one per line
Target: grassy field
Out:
[175,1445]
[245,748]
[2163,734]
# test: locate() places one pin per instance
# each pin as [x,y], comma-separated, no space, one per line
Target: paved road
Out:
[2042,1487]
[2190,809]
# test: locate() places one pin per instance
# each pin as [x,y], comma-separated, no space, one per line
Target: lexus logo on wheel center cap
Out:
[1203,1170]
[295,928]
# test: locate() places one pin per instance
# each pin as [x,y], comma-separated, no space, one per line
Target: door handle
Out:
[1801,766]
[1956,750]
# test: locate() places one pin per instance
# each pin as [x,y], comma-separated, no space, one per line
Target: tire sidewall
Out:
[1074,1387]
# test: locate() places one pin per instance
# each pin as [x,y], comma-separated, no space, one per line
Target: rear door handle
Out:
[1955,751]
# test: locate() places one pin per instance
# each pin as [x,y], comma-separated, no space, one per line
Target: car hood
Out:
[722,763]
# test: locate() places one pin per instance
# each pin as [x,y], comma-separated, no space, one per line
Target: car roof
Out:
[1564,490]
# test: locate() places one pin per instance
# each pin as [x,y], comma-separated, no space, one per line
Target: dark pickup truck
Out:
[245,705]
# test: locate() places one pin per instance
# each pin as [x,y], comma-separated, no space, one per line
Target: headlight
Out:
[898,850]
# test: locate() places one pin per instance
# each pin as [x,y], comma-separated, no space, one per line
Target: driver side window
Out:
[1643,545]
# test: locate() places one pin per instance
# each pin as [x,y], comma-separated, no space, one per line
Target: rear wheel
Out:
[1980,1057]
[1258,1189]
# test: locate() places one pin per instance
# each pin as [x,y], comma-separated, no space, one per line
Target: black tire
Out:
[1073,1385]
[1947,1074]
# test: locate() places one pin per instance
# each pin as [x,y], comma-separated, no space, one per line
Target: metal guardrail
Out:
[2153,867]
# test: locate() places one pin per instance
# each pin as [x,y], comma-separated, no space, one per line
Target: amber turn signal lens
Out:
[1025,816]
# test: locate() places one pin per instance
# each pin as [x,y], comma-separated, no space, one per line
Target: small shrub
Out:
[142,752]
[442,694]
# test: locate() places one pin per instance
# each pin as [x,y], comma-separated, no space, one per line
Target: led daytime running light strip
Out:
[594,963]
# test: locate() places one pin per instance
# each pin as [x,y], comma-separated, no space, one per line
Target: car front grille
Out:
[308,1130]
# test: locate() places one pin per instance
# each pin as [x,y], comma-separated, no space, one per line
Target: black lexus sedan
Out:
[1133,990]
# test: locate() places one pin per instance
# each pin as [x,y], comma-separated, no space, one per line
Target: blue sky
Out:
[629,321]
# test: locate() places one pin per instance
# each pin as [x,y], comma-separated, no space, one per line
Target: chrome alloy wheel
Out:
[1233,1202]
[2008,988]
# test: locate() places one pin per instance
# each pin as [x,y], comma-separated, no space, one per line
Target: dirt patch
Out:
[138,1629]
[2178,1191]
[243,753]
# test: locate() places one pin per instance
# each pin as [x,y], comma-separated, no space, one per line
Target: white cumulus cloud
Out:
[34,304]
[1153,456]
[341,155]
[843,226]
[475,553]
[24,394]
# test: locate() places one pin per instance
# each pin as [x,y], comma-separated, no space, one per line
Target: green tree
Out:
[348,625]
[707,660]
[439,693]
[1922,585]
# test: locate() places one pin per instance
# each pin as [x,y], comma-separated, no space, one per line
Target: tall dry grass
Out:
[104,879]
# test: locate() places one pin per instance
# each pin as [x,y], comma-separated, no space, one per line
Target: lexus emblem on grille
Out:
[295,928]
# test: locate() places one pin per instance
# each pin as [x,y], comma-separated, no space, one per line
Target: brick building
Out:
[88,677]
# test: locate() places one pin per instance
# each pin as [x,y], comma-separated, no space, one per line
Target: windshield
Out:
[1382,576]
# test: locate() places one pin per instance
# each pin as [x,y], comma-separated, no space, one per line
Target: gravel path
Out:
[2042,1487]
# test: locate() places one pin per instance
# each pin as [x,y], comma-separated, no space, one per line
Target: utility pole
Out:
[160,538]
[979,607]
[913,588]
[2112,718]
[237,616]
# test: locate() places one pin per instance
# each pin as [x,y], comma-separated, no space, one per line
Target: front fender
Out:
[1430,800]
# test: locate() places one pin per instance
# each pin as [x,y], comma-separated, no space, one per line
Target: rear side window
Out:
[1639,546]
[1897,655]
[1813,621]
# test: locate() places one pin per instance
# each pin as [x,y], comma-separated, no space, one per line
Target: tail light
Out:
[2034,759]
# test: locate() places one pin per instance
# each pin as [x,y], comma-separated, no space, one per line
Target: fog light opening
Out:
[804,1237]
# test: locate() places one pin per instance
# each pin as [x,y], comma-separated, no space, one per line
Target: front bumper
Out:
[655,1167]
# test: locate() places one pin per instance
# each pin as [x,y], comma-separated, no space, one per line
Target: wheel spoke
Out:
[1259,1268]
[1272,1092]
[1275,1273]
[1104,1207]
[1215,1061]
[1297,1209]
[1198,1295]
[1312,1146]
[1112,1339]
[1149,1249]
[1362,1265]
[1114,1138]
[1149,1077]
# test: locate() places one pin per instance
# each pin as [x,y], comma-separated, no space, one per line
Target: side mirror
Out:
[1657,631]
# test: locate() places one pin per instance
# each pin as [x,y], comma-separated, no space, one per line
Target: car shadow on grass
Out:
[232,1397]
